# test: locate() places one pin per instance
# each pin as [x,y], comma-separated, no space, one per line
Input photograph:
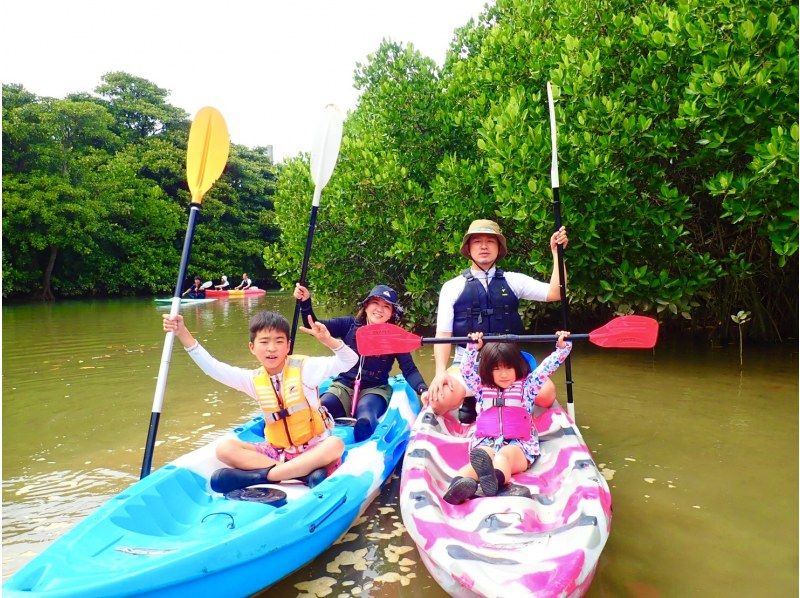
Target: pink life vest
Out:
[503,413]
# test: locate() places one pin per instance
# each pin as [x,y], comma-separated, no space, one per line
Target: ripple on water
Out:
[37,509]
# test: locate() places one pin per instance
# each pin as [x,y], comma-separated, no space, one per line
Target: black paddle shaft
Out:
[502,338]
[194,218]
[152,430]
[563,290]
[312,224]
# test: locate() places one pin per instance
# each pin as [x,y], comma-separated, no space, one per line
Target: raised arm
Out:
[303,295]
[536,379]
[468,367]
[557,238]
[176,324]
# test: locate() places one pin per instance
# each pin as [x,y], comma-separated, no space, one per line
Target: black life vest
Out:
[495,312]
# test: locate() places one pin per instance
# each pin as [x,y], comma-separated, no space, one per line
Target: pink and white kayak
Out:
[508,546]
[251,292]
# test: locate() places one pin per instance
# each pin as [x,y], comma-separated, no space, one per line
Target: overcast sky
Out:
[269,66]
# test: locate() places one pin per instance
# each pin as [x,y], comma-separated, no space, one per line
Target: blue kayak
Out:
[171,535]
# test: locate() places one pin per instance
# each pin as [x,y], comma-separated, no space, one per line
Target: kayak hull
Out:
[170,534]
[223,294]
[548,545]
[168,301]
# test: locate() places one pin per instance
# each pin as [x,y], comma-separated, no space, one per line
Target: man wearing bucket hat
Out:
[363,392]
[484,298]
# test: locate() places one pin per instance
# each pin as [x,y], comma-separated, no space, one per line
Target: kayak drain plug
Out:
[231,525]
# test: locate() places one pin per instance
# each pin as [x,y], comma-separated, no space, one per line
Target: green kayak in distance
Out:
[166,301]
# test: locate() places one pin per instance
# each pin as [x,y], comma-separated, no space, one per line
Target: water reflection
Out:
[375,558]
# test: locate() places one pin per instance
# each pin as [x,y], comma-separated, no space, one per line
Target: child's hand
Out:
[558,238]
[319,331]
[561,334]
[177,325]
[477,338]
[301,293]
[173,323]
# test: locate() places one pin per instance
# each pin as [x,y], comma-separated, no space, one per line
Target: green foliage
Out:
[139,107]
[373,208]
[95,195]
[237,215]
[677,148]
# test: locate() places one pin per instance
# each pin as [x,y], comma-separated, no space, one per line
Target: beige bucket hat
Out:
[484,227]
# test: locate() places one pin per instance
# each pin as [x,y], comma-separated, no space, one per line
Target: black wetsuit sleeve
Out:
[411,373]
[307,309]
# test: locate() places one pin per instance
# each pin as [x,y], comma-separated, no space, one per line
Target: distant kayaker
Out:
[196,291]
[483,298]
[505,440]
[224,284]
[298,440]
[367,382]
[245,284]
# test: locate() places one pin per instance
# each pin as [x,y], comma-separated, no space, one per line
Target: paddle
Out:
[323,159]
[206,156]
[623,332]
[559,248]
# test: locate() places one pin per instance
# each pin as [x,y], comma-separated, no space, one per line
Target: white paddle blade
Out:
[554,149]
[325,150]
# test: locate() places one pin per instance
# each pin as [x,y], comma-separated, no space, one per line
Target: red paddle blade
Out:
[385,339]
[627,332]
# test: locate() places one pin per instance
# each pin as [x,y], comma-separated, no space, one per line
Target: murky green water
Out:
[702,460]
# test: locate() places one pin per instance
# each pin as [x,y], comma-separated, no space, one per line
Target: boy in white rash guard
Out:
[298,441]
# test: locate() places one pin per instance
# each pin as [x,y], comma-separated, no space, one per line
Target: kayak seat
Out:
[177,502]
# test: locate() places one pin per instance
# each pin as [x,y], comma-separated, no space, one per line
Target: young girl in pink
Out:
[505,440]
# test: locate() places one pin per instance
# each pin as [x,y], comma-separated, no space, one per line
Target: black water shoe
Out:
[461,489]
[482,464]
[315,477]
[467,413]
[362,429]
[229,478]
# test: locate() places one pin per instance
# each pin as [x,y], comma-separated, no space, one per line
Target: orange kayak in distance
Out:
[233,293]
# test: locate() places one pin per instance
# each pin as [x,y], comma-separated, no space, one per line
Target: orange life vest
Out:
[289,419]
